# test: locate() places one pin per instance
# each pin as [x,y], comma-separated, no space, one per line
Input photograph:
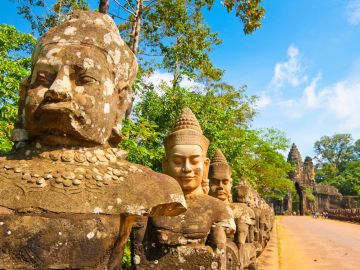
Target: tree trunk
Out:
[136,27]
[176,71]
[104,6]
[176,75]
[134,41]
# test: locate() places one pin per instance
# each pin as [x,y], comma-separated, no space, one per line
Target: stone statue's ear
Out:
[125,96]
[165,164]
[19,133]
[206,168]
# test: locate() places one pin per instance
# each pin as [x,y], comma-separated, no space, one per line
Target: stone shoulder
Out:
[38,185]
[221,213]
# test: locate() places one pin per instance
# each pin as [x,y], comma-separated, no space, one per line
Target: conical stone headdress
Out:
[187,131]
[218,163]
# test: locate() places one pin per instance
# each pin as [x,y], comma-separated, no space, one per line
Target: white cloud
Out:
[353,12]
[310,97]
[157,78]
[343,100]
[338,102]
[263,101]
[291,71]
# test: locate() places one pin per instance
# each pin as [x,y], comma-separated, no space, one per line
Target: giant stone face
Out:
[71,95]
[80,83]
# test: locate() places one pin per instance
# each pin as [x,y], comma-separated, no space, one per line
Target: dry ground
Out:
[304,243]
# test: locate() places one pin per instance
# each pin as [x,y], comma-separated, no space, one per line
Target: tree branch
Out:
[129,4]
[117,16]
[147,54]
[126,9]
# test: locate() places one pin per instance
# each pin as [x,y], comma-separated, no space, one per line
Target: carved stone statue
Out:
[264,215]
[240,249]
[67,198]
[197,238]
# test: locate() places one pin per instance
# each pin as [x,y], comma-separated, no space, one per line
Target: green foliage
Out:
[348,180]
[175,36]
[176,30]
[126,259]
[339,163]
[326,172]
[309,194]
[335,150]
[250,13]
[142,141]
[224,114]
[14,66]
[50,16]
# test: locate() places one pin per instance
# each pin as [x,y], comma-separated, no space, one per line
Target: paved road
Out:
[306,243]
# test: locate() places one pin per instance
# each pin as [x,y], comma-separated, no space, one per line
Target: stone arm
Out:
[126,223]
[218,237]
[242,231]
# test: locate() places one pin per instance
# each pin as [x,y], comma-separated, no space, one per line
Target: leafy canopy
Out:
[15,49]
[339,163]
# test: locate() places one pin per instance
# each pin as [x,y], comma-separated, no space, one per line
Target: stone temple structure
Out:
[68,198]
[197,238]
[303,177]
[312,196]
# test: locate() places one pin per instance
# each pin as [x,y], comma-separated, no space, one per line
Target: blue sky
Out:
[304,64]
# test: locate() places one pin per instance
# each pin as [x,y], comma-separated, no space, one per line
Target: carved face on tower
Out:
[80,81]
[186,150]
[220,177]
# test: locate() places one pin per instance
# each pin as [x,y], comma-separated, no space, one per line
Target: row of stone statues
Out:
[214,232]
[352,214]
[68,197]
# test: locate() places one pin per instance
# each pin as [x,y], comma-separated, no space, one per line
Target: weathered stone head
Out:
[185,154]
[220,177]
[245,193]
[79,85]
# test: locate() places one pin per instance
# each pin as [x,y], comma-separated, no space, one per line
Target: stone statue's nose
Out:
[57,96]
[187,167]
[60,89]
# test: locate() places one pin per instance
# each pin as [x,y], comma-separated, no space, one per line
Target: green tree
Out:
[338,163]
[15,48]
[348,180]
[335,150]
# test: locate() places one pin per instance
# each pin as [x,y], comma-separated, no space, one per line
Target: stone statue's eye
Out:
[195,160]
[44,78]
[177,160]
[86,79]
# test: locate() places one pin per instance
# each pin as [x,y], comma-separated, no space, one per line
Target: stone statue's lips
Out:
[187,178]
[56,106]
[65,107]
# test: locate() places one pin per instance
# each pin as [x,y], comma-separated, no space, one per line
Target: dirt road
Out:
[305,243]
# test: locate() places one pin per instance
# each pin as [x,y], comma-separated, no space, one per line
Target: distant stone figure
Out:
[197,238]
[67,198]
[264,214]
[240,249]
